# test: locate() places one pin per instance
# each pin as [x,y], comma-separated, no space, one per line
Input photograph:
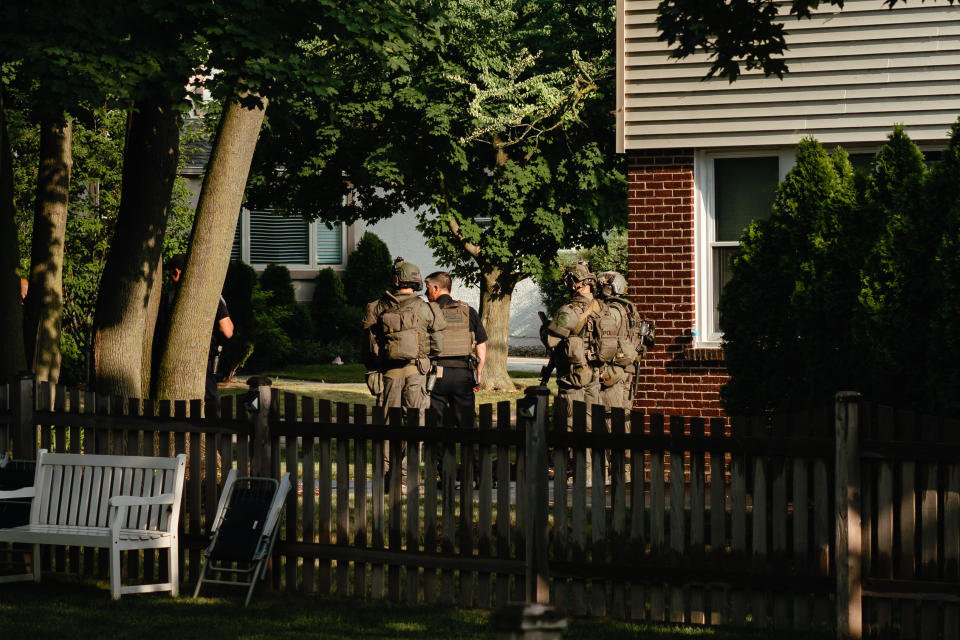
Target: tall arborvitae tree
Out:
[791,295]
[943,349]
[896,297]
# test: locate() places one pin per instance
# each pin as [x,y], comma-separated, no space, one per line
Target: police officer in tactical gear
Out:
[403,334]
[459,364]
[624,338]
[570,338]
[458,368]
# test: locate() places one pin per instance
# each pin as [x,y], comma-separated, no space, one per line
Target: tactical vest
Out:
[404,332]
[457,337]
[581,344]
[618,339]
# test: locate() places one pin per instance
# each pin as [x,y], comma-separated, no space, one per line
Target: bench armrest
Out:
[137,501]
[25,492]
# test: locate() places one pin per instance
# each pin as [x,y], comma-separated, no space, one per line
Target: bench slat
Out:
[75,495]
[135,490]
[96,480]
[81,536]
[42,499]
[64,508]
[86,492]
[163,515]
[143,519]
[56,490]
[91,460]
[126,485]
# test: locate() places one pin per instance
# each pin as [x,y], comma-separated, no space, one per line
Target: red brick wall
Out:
[661,277]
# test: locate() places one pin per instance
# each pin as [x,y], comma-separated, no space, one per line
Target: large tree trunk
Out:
[44,304]
[123,328]
[12,358]
[496,289]
[184,361]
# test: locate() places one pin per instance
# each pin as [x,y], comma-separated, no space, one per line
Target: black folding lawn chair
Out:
[244,531]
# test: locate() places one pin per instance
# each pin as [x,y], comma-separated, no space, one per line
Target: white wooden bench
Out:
[112,502]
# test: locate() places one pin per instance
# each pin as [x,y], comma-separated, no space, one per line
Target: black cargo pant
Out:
[454,389]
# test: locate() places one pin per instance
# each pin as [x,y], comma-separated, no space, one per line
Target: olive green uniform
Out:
[403,380]
[569,336]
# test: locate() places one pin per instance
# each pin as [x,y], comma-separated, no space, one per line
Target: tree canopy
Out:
[497,133]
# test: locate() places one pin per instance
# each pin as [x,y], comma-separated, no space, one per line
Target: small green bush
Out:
[276,280]
[336,323]
[369,271]
[280,324]
[272,345]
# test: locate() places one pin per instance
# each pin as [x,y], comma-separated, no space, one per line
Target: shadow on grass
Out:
[64,607]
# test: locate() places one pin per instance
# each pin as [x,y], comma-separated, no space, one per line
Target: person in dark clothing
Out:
[222,331]
[459,365]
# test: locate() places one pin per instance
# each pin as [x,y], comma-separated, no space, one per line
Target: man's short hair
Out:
[178,262]
[440,279]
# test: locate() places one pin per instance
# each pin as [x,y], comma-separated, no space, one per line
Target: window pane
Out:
[329,243]
[745,189]
[278,240]
[722,260]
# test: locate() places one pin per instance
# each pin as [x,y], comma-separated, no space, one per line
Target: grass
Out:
[64,607]
[346,383]
[329,373]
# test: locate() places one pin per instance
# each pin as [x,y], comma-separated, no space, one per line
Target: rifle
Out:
[548,368]
[647,339]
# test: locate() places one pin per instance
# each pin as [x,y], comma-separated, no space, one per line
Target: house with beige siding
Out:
[705,156]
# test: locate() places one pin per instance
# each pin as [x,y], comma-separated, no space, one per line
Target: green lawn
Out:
[64,607]
[346,383]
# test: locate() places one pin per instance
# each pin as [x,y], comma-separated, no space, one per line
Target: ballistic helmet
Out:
[577,275]
[611,284]
[406,274]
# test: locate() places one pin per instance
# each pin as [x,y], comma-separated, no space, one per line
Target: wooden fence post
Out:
[262,454]
[24,431]
[848,538]
[532,410]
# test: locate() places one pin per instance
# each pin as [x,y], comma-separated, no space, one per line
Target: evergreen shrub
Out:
[369,271]
[850,284]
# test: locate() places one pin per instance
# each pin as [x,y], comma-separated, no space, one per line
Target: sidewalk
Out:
[516,363]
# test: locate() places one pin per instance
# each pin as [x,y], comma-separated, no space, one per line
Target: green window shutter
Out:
[278,240]
[329,243]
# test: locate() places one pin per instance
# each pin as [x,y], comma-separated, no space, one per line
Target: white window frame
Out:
[312,265]
[705,334]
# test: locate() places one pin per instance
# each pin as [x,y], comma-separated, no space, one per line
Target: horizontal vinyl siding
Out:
[852,75]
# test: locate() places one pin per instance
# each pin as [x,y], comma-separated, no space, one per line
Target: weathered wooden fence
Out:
[846,517]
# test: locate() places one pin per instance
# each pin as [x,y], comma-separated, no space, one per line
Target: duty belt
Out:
[454,363]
